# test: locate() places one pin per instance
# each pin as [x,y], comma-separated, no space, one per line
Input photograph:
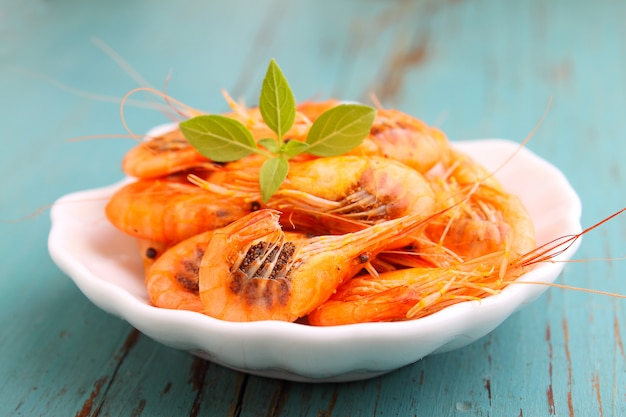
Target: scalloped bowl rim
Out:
[305,353]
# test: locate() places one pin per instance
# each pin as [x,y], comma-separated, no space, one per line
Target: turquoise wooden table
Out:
[476,69]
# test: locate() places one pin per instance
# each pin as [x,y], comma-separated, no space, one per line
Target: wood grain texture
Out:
[474,68]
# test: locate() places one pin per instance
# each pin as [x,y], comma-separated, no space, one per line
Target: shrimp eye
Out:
[151,253]
[255,205]
[364,258]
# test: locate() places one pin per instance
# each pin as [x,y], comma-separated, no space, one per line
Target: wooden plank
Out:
[184,384]
[50,365]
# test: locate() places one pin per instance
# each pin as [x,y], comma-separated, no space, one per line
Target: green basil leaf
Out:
[269,144]
[273,173]
[276,103]
[294,147]
[219,138]
[340,129]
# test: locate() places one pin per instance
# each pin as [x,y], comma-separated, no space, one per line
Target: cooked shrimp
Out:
[417,292]
[169,211]
[365,189]
[252,271]
[172,281]
[163,155]
[313,109]
[401,137]
[412,293]
[171,152]
[488,221]
[463,170]
[495,228]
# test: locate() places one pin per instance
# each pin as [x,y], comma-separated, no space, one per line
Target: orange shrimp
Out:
[163,155]
[401,137]
[394,135]
[497,228]
[460,169]
[252,271]
[486,221]
[412,292]
[169,211]
[368,189]
[417,292]
[364,189]
[489,221]
[171,153]
[313,109]
[172,281]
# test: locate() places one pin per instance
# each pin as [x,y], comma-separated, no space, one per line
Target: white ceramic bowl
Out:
[105,265]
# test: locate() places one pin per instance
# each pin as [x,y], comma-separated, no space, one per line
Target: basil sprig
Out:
[334,132]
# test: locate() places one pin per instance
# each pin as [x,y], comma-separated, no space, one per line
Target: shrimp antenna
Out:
[504,163]
[38,211]
[103,136]
[190,111]
[85,94]
[166,97]
[547,251]
[121,62]
[524,142]
[128,69]
[31,215]
[376,101]
[568,287]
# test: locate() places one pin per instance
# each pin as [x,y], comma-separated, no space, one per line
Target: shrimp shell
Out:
[412,293]
[368,189]
[252,271]
[396,135]
[172,281]
[492,247]
[169,211]
[163,155]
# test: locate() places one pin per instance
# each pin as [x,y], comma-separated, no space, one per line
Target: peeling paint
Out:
[487,386]
[618,336]
[570,402]
[88,404]
[549,391]
[140,406]
[167,388]
[400,61]
[596,388]
[197,373]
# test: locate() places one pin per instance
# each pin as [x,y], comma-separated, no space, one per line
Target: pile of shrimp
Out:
[398,228]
